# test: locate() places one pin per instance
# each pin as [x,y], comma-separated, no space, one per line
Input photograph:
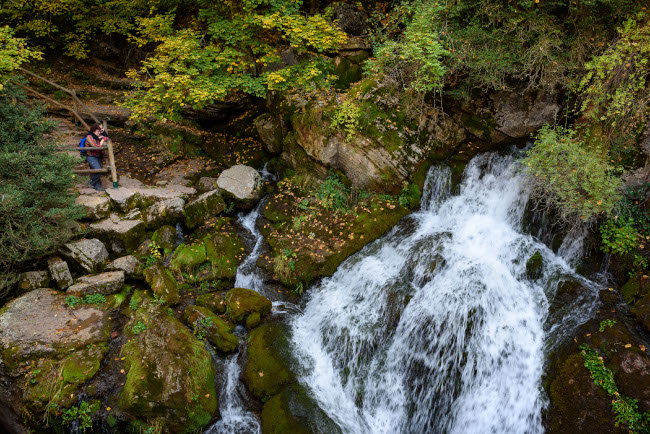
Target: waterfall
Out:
[435,327]
[248,275]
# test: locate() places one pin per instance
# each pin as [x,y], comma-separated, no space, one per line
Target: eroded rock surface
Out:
[104,283]
[89,254]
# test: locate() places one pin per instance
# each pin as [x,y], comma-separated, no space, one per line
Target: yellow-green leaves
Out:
[13,52]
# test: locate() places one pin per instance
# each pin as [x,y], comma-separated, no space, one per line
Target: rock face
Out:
[187,257]
[60,272]
[202,208]
[203,321]
[122,235]
[243,182]
[267,371]
[127,264]
[169,372]
[214,301]
[33,280]
[97,207]
[270,132]
[165,238]
[241,302]
[105,283]
[90,254]
[519,117]
[125,199]
[53,349]
[206,184]
[164,212]
[162,283]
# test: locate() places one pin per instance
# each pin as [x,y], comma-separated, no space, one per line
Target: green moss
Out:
[203,321]
[241,302]
[165,238]
[635,288]
[187,257]
[267,371]
[204,208]
[224,250]
[277,417]
[253,320]
[214,301]
[534,265]
[162,283]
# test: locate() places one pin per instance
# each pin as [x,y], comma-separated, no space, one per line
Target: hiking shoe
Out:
[99,188]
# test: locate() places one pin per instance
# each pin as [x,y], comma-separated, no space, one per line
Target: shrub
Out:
[346,117]
[333,194]
[36,207]
[566,176]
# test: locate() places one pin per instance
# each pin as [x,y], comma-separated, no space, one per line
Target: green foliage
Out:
[138,327]
[410,195]
[13,53]
[82,415]
[71,301]
[346,117]
[229,47]
[625,408]
[606,323]
[133,304]
[284,264]
[333,194]
[567,176]
[36,207]
[201,325]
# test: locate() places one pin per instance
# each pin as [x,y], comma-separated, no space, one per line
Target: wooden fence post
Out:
[111,162]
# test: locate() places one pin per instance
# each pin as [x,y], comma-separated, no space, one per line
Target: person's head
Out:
[96,128]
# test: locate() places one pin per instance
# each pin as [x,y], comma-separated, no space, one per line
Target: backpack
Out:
[81,145]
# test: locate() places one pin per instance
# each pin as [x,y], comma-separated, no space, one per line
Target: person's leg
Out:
[95,163]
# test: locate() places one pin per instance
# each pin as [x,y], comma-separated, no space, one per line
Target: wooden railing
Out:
[77,104]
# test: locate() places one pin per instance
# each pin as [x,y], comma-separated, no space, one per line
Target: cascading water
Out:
[248,275]
[435,327]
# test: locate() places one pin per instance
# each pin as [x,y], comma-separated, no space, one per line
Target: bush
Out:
[36,207]
[566,176]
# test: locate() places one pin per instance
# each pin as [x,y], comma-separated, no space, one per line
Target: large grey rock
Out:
[519,115]
[164,212]
[38,323]
[122,235]
[128,264]
[203,208]
[128,198]
[270,132]
[97,207]
[104,283]
[89,254]
[243,182]
[33,280]
[60,272]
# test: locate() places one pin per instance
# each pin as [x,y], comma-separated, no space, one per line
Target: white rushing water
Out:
[248,275]
[435,327]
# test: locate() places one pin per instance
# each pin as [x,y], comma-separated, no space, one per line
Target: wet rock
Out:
[165,238]
[122,235]
[164,212]
[60,272]
[128,264]
[187,257]
[242,182]
[206,184]
[635,288]
[267,370]
[143,250]
[224,249]
[350,19]
[203,321]
[104,283]
[518,116]
[50,350]
[97,207]
[270,132]
[534,266]
[241,302]
[294,411]
[33,280]
[641,311]
[162,283]
[170,376]
[214,301]
[204,207]
[633,374]
[253,320]
[90,254]
[127,198]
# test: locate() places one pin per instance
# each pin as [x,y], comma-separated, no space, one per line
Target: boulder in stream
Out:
[164,212]
[129,265]
[267,369]
[215,301]
[187,257]
[162,283]
[97,207]
[121,234]
[205,322]
[33,280]
[241,302]
[165,238]
[243,183]
[203,208]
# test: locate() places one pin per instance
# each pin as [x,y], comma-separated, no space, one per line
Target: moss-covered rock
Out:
[215,301]
[165,238]
[534,265]
[253,320]
[294,411]
[224,250]
[162,283]
[641,311]
[169,372]
[267,369]
[635,288]
[187,257]
[204,321]
[241,302]
[203,208]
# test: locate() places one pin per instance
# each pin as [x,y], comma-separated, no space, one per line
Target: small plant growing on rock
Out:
[82,414]
[200,327]
[333,195]
[71,301]
[284,264]
[139,327]
[606,323]
[154,255]
[346,117]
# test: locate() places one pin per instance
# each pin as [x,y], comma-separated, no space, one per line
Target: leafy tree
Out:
[36,206]
[571,178]
[231,47]
[13,52]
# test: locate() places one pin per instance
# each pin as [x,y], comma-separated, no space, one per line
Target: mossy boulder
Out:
[165,238]
[162,283]
[215,301]
[253,320]
[241,302]
[202,320]
[641,311]
[267,369]
[224,250]
[170,376]
[534,265]
[187,257]
[203,208]
[635,288]
[294,411]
